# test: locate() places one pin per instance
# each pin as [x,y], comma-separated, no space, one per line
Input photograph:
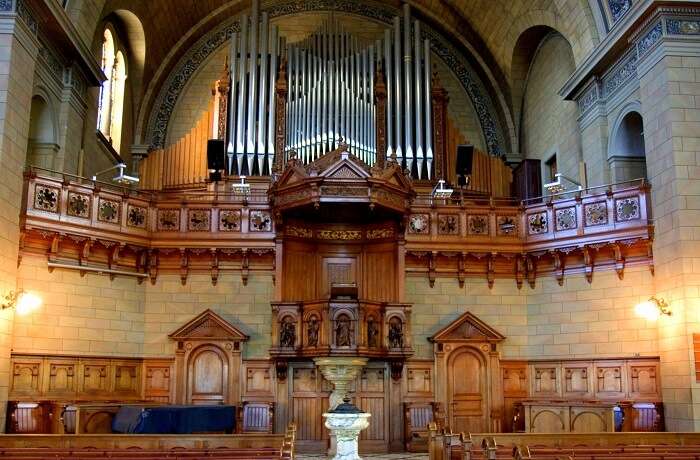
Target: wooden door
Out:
[308,397]
[207,376]
[466,385]
[371,395]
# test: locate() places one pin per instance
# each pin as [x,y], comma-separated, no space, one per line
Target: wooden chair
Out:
[417,416]
[256,417]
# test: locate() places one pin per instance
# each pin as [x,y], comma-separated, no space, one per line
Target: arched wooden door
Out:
[207,372]
[466,392]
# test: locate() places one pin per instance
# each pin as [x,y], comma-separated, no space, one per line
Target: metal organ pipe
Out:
[397,90]
[271,113]
[389,92]
[262,106]
[240,118]
[419,100]
[233,61]
[428,108]
[253,84]
[408,75]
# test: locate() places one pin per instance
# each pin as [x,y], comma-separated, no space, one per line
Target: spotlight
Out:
[440,192]
[652,309]
[241,188]
[557,187]
[24,302]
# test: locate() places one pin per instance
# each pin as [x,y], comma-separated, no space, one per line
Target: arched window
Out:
[111,103]
[626,152]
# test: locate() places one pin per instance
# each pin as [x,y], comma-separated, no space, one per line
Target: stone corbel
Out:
[588,263]
[153,265]
[558,267]
[396,369]
[619,260]
[84,255]
[114,255]
[531,270]
[461,268]
[55,247]
[520,270]
[141,263]
[245,264]
[281,368]
[184,266]
[214,266]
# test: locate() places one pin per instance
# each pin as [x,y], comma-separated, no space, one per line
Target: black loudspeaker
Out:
[465,156]
[216,153]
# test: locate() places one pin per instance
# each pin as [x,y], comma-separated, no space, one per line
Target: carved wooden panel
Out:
[26,376]
[95,377]
[127,378]
[545,380]
[258,380]
[308,400]
[62,377]
[419,380]
[514,379]
[610,379]
[591,420]
[577,380]
[342,270]
[371,396]
[644,380]
[158,381]
[207,375]
[466,385]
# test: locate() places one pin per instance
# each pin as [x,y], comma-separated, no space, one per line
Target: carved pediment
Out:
[208,326]
[467,328]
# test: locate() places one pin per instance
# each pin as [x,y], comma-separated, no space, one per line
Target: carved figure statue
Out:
[342,332]
[288,334]
[312,332]
[395,333]
[372,334]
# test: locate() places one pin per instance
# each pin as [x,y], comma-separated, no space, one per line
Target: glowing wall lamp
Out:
[652,309]
[24,302]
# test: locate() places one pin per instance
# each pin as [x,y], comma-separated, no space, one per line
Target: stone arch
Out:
[42,146]
[549,129]
[626,149]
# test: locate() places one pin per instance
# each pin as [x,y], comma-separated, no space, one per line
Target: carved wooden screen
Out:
[308,399]
[371,395]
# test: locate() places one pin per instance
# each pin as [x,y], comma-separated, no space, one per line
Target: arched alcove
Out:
[626,152]
[41,147]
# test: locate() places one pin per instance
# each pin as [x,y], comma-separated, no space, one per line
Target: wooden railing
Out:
[602,228]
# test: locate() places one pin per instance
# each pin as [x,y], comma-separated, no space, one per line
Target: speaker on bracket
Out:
[216,156]
[463,165]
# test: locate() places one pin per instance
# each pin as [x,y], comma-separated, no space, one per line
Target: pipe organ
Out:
[375,93]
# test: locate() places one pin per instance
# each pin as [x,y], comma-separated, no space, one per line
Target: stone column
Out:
[18,53]
[669,71]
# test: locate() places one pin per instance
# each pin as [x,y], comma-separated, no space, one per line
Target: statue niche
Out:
[372,333]
[343,331]
[312,332]
[288,333]
[395,332]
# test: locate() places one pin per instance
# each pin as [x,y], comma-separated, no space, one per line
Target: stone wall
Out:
[575,320]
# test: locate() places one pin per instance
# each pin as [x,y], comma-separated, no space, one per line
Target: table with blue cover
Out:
[175,419]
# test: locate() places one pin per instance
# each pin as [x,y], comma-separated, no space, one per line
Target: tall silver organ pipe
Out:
[409,89]
[389,93]
[253,70]
[398,69]
[428,108]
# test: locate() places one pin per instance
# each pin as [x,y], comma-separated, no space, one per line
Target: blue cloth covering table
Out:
[175,419]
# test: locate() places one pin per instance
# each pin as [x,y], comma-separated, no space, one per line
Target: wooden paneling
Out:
[644,380]
[158,381]
[610,379]
[577,381]
[546,380]
[515,389]
[418,381]
[371,395]
[565,417]
[208,376]
[76,378]
[308,399]
[299,272]
[258,381]
[379,274]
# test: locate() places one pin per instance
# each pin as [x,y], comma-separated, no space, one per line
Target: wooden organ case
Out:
[340,288]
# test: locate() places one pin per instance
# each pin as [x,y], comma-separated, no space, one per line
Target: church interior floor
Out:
[393,456]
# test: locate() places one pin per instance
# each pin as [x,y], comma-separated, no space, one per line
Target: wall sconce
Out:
[24,302]
[652,309]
